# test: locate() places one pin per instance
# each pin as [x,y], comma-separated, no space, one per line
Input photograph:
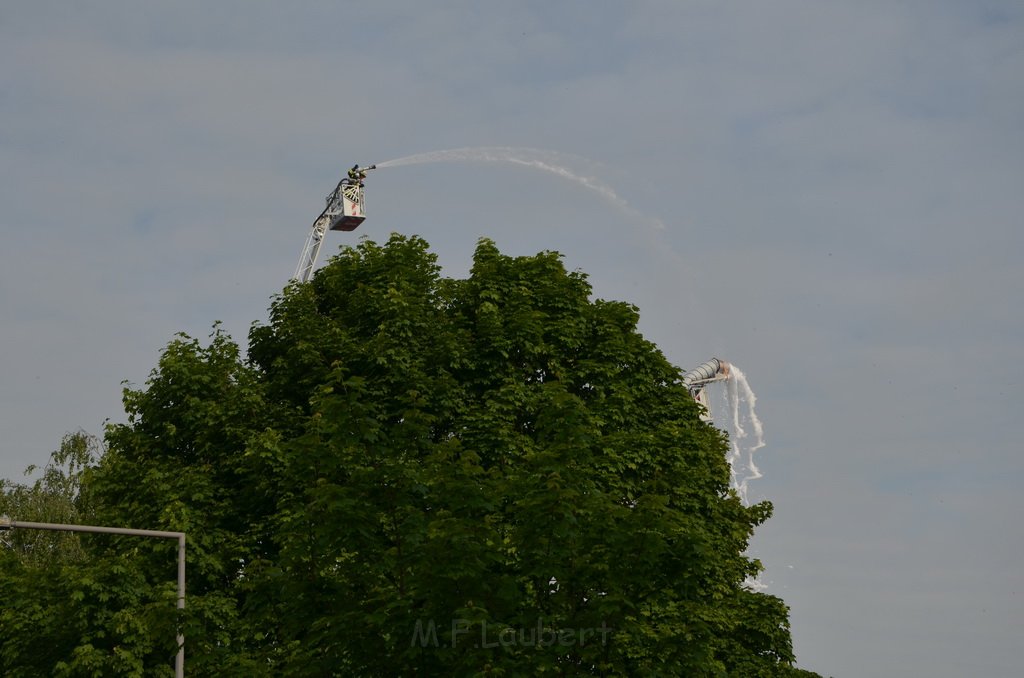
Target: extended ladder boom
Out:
[696,379]
[311,251]
[705,373]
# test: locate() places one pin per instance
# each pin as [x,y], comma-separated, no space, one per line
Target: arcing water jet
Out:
[546,161]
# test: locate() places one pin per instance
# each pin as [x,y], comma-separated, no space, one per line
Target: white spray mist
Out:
[734,411]
[546,161]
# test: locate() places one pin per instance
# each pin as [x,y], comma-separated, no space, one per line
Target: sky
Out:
[826,193]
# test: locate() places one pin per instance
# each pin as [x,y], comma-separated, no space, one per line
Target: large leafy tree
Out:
[417,475]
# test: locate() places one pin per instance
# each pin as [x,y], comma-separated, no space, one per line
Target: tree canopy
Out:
[409,474]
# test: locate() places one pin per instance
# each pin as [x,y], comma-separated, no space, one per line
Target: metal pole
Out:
[179,661]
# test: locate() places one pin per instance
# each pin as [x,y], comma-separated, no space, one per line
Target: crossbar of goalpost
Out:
[179,661]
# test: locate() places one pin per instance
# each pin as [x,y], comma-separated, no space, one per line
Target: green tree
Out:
[417,475]
[180,463]
[507,460]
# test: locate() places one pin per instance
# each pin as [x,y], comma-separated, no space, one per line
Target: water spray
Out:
[546,161]
[740,421]
[746,433]
[734,412]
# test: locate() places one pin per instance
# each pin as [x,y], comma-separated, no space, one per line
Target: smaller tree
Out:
[39,611]
[55,497]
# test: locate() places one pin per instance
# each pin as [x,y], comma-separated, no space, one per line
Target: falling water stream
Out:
[746,434]
[733,409]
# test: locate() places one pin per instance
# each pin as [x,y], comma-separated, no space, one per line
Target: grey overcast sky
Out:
[840,185]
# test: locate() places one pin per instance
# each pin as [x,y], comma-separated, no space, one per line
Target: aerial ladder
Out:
[699,377]
[344,212]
